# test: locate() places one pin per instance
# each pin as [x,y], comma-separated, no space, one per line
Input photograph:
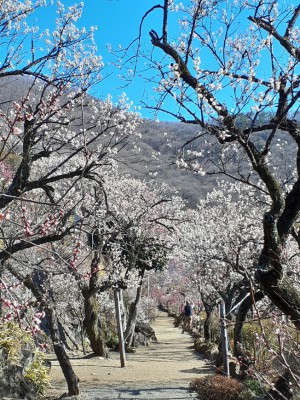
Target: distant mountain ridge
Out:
[154,155]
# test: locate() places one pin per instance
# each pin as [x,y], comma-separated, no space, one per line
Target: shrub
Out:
[215,329]
[12,340]
[219,387]
[38,374]
[249,336]
[255,387]
[113,342]
[22,366]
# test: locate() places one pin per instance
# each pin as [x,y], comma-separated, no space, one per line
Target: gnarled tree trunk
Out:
[238,329]
[133,311]
[63,359]
[281,292]
[93,326]
[61,354]
[92,323]
[207,322]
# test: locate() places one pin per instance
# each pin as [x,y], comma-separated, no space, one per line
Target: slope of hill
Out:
[159,147]
[154,155]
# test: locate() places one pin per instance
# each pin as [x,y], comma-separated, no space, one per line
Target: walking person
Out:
[188,317]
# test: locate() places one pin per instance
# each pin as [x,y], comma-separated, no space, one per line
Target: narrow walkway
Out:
[159,371]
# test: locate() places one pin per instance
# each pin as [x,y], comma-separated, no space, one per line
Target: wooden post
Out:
[123,311]
[120,328]
[148,289]
[224,338]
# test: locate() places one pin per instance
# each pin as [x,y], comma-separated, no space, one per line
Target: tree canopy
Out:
[228,59]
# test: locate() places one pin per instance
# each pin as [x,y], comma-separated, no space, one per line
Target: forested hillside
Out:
[162,144]
[156,153]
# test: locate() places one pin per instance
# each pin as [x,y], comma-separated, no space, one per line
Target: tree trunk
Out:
[281,292]
[229,295]
[133,311]
[93,326]
[207,325]
[209,305]
[63,359]
[238,329]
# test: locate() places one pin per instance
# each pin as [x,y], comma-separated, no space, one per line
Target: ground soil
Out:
[170,362]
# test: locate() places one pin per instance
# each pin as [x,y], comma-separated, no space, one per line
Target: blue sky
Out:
[118,24]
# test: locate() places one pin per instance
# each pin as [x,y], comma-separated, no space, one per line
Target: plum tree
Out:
[234,71]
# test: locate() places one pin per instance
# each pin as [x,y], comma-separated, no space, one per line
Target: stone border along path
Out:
[160,371]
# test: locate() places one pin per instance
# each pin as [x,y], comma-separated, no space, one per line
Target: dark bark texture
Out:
[239,350]
[63,359]
[93,326]
[53,325]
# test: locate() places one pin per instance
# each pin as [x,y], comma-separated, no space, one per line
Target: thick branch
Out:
[283,40]
[292,21]
[23,245]
[191,81]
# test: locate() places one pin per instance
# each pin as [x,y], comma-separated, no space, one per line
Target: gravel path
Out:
[159,371]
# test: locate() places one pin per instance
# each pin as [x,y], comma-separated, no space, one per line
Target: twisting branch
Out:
[191,81]
[283,40]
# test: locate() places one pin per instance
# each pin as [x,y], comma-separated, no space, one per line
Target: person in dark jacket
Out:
[188,317]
